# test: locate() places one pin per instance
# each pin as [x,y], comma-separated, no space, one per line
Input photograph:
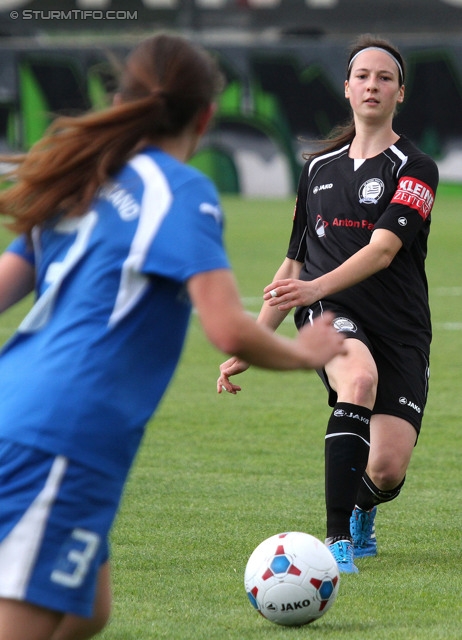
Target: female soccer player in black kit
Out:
[358,248]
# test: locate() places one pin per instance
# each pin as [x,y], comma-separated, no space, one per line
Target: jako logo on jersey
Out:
[402,221]
[415,194]
[322,187]
[320,227]
[345,324]
[340,413]
[371,191]
[408,403]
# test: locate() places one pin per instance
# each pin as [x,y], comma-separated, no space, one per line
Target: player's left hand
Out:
[231,367]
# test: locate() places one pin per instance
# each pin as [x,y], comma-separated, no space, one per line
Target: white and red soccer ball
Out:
[292,578]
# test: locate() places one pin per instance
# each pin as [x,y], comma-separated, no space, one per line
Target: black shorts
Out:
[403,370]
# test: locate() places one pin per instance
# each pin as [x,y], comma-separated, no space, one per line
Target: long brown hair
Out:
[167,80]
[343,134]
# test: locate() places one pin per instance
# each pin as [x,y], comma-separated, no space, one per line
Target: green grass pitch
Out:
[218,474]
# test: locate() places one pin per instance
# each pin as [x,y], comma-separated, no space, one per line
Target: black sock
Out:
[369,495]
[346,454]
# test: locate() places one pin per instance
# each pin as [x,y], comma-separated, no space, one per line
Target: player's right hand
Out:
[321,341]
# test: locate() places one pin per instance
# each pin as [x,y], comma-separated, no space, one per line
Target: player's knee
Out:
[362,388]
[389,480]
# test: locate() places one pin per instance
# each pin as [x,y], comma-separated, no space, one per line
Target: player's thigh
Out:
[351,377]
[21,620]
[78,628]
[354,375]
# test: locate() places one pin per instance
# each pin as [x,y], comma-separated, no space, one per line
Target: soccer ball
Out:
[292,578]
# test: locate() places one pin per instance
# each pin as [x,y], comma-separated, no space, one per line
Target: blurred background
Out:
[285,66]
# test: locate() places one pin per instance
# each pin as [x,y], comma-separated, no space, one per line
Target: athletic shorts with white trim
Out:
[55,517]
[403,370]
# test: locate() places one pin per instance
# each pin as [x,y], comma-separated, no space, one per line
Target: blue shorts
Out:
[55,518]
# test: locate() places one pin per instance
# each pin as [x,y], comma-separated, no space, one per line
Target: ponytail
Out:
[166,82]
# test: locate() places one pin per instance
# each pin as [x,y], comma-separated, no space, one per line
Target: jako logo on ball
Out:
[292,578]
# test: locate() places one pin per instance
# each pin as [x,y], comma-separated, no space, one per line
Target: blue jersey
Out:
[90,362]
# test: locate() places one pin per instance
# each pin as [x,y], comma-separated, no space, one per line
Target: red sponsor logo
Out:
[356,224]
[415,194]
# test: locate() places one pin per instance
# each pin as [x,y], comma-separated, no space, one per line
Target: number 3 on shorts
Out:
[75,558]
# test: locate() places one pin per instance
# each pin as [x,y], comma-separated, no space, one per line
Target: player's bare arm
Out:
[285,294]
[268,317]
[16,279]
[315,341]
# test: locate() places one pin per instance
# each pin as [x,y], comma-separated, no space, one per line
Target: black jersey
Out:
[340,202]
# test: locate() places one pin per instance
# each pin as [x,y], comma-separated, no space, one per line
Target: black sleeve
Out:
[297,242]
[412,202]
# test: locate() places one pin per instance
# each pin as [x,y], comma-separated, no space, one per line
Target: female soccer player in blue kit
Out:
[358,249]
[119,238]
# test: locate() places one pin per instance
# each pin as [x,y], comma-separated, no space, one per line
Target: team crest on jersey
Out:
[371,191]
[345,324]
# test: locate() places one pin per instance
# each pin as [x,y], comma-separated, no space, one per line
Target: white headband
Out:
[379,49]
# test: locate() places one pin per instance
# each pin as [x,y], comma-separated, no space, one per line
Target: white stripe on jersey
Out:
[401,156]
[40,313]
[19,549]
[155,204]
[327,155]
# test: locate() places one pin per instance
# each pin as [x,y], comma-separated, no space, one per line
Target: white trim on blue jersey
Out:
[90,363]
[56,272]
[156,189]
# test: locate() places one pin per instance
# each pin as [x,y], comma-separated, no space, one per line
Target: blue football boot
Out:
[362,529]
[342,550]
